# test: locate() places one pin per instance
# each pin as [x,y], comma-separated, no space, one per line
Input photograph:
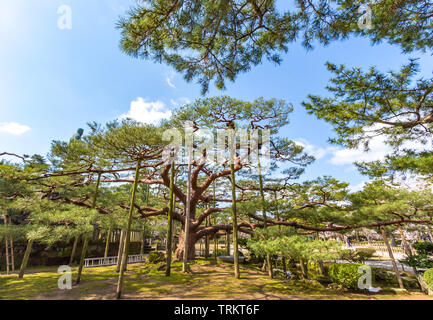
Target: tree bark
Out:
[391,255]
[228,243]
[206,239]
[26,258]
[190,247]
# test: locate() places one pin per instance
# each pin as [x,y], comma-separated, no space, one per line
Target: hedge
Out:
[428,277]
[345,274]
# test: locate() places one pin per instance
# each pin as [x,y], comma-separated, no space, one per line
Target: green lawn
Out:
[208,281]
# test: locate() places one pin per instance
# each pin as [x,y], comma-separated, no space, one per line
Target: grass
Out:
[143,281]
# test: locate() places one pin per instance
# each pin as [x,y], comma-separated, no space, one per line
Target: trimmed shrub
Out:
[388,278]
[358,255]
[345,274]
[155,256]
[428,277]
[365,253]
[423,247]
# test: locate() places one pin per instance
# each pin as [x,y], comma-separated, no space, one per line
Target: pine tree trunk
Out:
[74,249]
[169,223]
[190,247]
[215,247]
[128,233]
[206,239]
[391,255]
[228,243]
[26,258]
[86,237]
[235,224]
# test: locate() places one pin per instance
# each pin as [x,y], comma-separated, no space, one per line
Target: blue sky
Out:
[54,81]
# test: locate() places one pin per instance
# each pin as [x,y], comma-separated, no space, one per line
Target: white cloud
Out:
[145,111]
[357,187]
[14,128]
[339,156]
[317,152]
[412,182]
[180,101]
[169,80]
[378,151]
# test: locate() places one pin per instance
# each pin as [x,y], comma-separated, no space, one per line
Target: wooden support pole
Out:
[391,255]
[120,249]
[74,249]
[11,243]
[185,266]
[86,236]
[128,233]
[107,243]
[26,258]
[169,223]
[235,224]
[6,246]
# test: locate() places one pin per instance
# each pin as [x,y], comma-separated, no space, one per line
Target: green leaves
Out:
[216,40]
[365,105]
[296,247]
[208,40]
[380,202]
